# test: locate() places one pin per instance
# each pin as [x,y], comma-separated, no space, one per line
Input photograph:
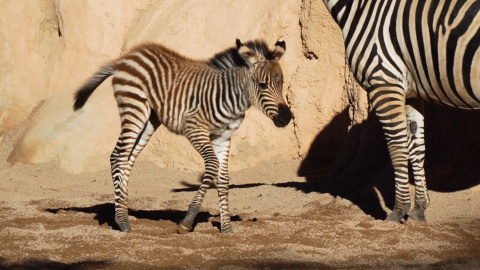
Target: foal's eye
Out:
[264,86]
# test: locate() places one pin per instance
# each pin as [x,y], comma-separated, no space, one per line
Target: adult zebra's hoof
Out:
[183,228]
[418,215]
[394,217]
[399,213]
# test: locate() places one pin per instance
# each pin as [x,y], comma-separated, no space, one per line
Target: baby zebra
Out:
[203,100]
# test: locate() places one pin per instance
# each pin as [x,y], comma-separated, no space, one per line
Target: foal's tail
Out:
[82,94]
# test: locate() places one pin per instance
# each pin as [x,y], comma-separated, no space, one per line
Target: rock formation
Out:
[50,48]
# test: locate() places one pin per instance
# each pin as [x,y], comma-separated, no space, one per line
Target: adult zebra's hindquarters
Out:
[404,52]
[205,101]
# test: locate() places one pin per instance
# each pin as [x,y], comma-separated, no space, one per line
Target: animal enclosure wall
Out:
[49,48]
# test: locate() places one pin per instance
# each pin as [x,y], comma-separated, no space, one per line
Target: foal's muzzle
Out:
[283,117]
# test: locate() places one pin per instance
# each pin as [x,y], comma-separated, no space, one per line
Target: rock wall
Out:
[48,48]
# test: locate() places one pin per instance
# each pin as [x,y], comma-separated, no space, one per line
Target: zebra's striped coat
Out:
[203,100]
[404,52]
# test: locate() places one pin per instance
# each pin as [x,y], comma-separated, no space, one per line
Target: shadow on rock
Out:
[360,169]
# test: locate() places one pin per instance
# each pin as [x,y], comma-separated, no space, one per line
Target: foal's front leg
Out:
[222,149]
[201,142]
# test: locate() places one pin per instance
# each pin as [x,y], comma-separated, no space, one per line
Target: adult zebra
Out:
[404,52]
[202,100]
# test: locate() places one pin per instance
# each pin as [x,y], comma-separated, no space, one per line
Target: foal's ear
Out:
[278,50]
[248,55]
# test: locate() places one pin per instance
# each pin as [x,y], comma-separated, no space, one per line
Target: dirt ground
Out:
[51,219]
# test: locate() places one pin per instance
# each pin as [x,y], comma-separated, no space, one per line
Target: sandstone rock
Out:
[75,38]
[48,48]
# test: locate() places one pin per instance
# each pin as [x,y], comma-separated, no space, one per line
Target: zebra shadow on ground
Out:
[188,187]
[355,165]
[31,263]
[105,213]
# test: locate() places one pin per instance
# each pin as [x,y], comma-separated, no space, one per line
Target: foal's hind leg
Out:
[137,128]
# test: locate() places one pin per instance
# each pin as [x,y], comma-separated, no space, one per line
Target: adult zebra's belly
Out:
[456,93]
[446,78]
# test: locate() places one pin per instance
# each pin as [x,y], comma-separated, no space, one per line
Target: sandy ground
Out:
[51,219]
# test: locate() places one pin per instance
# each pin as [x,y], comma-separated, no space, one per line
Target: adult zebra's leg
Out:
[389,106]
[200,140]
[222,148]
[136,130]
[416,148]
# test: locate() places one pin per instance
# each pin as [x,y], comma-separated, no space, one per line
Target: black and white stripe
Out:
[203,100]
[404,52]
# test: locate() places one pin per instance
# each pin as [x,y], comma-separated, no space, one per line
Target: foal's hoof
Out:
[124,226]
[183,229]
[227,231]
[226,228]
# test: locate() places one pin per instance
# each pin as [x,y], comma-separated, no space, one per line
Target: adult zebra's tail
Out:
[82,94]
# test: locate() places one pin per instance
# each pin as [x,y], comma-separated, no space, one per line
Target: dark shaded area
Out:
[40,264]
[45,264]
[453,148]
[361,168]
[105,213]
[277,264]
[326,147]
[464,262]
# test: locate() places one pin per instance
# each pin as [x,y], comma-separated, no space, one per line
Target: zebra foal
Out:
[404,52]
[205,101]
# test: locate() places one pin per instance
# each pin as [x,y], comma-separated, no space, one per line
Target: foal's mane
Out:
[230,57]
